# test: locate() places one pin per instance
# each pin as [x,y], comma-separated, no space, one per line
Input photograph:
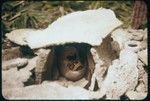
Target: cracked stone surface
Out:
[117,60]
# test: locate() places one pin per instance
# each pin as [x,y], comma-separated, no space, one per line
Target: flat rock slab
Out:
[76,27]
[21,36]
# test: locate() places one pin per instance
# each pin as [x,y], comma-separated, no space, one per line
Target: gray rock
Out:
[136,35]
[11,53]
[21,36]
[122,76]
[44,64]
[143,56]
[19,62]
[132,95]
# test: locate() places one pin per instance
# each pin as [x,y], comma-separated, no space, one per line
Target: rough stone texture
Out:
[32,63]
[142,87]
[43,65]
[122,76]
[106,54]
[51,90]
[139,35]
[143,78]
[6,44]
[13,79]
[99,70]
[115,47]
[11,53]
[120,36]
[132,45]
[132,95]
[144,44]
[19,62]
[43,57]
[66,83]
[60,29]
[143,56]
[136,34]
[105,51]
[145,34]
[21,36]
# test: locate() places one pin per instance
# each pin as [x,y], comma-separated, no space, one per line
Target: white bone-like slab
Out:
[19,36]
[89,27]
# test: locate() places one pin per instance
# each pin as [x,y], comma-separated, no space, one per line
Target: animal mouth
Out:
[75,65]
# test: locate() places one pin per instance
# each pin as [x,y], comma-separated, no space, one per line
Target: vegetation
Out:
[39,14]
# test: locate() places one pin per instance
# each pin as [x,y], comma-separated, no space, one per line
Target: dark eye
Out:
[71,58]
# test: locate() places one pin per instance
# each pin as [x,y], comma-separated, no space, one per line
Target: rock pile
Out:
[116,60]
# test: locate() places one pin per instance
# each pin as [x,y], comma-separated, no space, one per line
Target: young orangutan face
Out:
[70,63]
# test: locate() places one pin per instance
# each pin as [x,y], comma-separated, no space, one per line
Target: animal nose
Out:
[77,65]
[76,62]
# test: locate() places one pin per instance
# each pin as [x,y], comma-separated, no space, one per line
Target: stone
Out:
[66,83]
[132,95]
[136,35]
[14,79]
[132,45]
[144,41]
[141,87]
[21,36]
[43,65]
[143,56]
[31,63]
[105,51]
[41,61]
[81,83]
[19,62]
[122,73]
[122,76]
[145,82]
[142,79]
[116,47]
[145,34]
[99,70]
[60,29]
[7,44]
[120,36]
[50,90]
[11,53]
[143,44]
